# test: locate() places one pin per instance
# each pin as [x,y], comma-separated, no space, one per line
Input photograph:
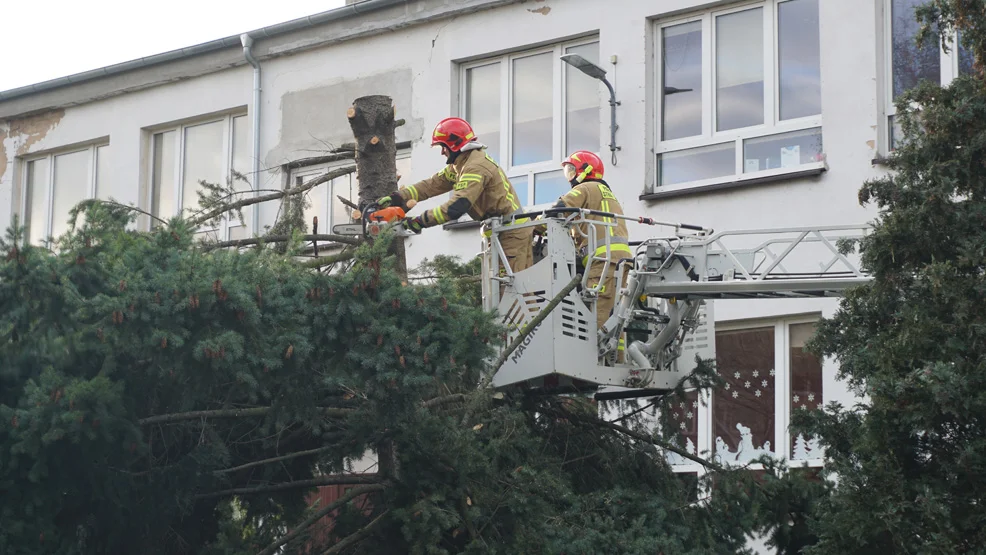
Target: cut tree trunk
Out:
[372,121]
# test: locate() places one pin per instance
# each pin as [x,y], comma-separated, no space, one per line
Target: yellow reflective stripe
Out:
[414,192]
[470,177]
[574,193]
[439,217]
[448,173]
[607,219]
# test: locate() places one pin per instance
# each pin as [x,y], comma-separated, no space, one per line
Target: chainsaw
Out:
[372,220]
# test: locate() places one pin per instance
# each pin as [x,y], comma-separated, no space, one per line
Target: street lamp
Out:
[596,72]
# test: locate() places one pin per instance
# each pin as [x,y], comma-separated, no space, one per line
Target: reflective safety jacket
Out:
[596,195]
[480,189]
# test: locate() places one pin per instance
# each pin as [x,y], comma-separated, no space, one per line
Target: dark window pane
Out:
[681,76]
[910,63]
[483,105]
[532,109]
[684,415]
[582,103]
[739,69]
[799,59]
[696,164]
[743,409]
[786,150]
[966,59]
[806,388]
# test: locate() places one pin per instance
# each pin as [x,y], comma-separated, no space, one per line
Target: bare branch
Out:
[276,459]
[353,493]
[228,413]
[326,260]
[127,206]
[282,239]
[439,401]
[356,536]
[272,196]
[332,480]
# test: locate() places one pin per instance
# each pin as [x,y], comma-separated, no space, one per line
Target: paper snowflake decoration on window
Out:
[676,415]
[694,404]
[804,407]
[756,373]
[735,394]
[757,393]
[747,384]
[763,384]
[682,426]
[689,415]
[819,406]
[796,399]
[811,396]
[727,385]
[736,375]
[772,372]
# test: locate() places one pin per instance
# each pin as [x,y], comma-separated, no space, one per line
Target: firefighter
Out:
[584,171]
[479,188]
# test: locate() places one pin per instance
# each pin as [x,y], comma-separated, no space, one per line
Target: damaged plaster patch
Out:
[871,144]
[17,136]
[543,11]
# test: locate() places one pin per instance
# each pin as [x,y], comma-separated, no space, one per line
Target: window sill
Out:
[468,224]
[807,170]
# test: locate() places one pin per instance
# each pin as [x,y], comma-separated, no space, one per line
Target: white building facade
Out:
[732,115]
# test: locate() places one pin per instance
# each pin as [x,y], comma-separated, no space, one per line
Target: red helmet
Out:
[452,133]
[582,165]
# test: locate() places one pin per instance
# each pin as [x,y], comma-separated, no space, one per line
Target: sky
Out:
[47,39]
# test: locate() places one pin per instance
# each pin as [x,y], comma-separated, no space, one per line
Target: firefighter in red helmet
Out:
[479,188]
[584,171]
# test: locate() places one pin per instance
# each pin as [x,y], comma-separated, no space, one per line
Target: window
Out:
[532,110]
[739,93]
[768,375]
[323,200]
[54,183]
[909,65]
[210,151]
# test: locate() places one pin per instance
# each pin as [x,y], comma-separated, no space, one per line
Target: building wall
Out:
[310,78]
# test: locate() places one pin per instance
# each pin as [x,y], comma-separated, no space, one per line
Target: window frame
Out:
[92,150]
[948,70]
[781,441]
[559,127]
[228,221]
[772,124]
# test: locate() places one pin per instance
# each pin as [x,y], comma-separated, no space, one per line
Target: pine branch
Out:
[648,439]
[228,413]
[355,492]
[272,196]
[333,480]
[275,459]
[356,536]
[326,260]
[282,239]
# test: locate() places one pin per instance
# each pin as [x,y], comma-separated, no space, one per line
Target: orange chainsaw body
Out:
[392,214]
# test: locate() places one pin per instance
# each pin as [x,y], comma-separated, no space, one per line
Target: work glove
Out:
[413,224]
[393,199]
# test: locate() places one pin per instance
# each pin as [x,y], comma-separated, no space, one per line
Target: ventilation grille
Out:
[574,323]
[524,309]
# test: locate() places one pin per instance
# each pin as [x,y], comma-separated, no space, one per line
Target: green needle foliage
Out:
[910,458]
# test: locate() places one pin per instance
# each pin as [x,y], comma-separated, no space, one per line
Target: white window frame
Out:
[559,112]
[949,65]
[324,214]
[92,150]
[781,442]
[772,125]
[228,221]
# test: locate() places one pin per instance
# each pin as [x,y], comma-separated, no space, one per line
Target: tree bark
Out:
[372,121]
